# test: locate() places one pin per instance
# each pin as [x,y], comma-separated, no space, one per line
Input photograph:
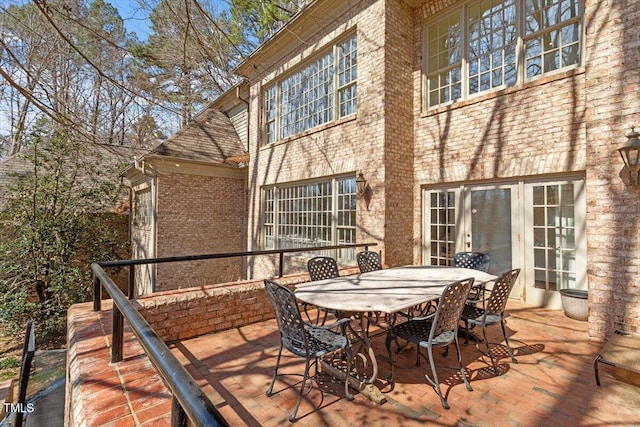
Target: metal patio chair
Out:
[305,340]
[368,261]
[476,261]
[492,313]
[439,329]
[320,268]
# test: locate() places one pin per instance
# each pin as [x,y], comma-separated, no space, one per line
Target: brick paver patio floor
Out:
[551,385]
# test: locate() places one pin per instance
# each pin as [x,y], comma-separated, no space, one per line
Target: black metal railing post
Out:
[97,294]
[194,403]
[117,336]
[281,266]
[28,351]
[178,416]
[132,281]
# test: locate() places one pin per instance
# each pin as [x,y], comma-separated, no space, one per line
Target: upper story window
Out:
[320,92]
[490,44]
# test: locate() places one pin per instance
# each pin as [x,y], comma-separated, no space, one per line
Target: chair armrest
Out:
[340,322]
[474,300]
[430,316]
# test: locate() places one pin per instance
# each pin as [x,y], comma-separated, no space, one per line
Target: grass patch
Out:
[9,363]
[5,375]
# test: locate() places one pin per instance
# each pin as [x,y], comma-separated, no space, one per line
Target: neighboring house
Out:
[94,160]
[189,198]
[477,125]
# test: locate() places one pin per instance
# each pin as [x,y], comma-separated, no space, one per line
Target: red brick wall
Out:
[337,147]
[613,234]
[187,313]
[566,123]
[398,133]
[199,215]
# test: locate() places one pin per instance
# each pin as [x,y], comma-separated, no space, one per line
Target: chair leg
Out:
[292,417]
[595,369]
[462,371]
[275,372]
[434,382]
[486,342]
[466,332]
[387,343]
[348,395]
[506,340]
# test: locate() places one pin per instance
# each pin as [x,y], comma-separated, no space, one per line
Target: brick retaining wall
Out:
[188,313]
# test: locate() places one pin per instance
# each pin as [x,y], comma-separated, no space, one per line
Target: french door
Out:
[537,227]
[556,240]
[473,218]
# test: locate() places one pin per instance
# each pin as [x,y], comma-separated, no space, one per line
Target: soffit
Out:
[300,28]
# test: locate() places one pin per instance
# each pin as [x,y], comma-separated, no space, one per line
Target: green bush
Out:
[50,231]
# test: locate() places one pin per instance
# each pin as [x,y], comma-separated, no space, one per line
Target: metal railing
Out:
[188,400]
[131,263]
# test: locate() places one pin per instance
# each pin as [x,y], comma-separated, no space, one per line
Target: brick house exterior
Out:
[189,199]
[527,169]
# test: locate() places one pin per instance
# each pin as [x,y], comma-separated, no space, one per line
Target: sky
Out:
[136,17]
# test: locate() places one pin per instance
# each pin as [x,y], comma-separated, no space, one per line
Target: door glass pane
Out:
[491,226]
[554,213]
[442,227]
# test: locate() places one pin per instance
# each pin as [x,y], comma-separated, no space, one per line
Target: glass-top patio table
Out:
[388,291]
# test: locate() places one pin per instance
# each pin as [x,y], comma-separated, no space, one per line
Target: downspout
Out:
[245,101]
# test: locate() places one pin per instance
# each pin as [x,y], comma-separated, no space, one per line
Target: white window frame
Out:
[444,233]
[453,73]
[339,92]
[319,218]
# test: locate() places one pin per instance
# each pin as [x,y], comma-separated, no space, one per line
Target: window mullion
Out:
[464,18]
[277,113]
[334,213]
[276,216]
[336,75]
[520,52]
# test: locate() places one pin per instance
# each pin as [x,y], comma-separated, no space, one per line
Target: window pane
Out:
[491,30]
[442,228]
[270,114]
[552,35]
[347,74]
[444,57]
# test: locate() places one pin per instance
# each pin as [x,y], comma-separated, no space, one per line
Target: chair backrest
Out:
[450,307]
[474,260]
[287,312]
[322,267]
[368,261]
[500,292]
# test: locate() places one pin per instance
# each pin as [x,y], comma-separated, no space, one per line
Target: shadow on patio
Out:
[552,383]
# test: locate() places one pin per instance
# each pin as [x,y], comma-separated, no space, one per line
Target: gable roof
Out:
[210,137]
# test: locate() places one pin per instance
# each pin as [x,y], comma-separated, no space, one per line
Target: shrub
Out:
[50,230]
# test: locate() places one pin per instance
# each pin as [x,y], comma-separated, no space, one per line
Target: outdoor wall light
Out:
[630,153]
[361,184]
